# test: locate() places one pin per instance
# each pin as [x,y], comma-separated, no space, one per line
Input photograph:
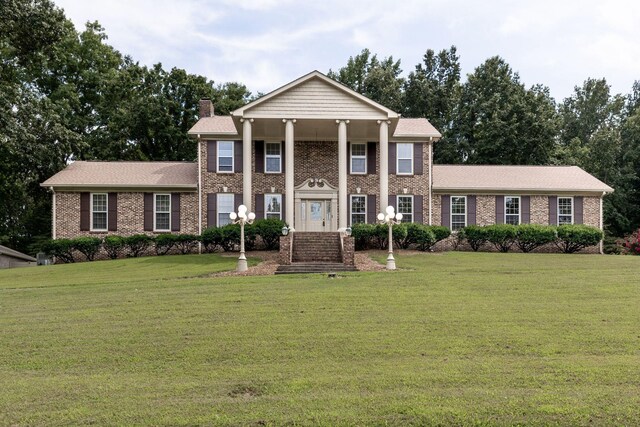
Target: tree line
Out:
[68,95]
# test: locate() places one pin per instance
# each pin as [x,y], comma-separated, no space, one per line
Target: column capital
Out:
[289,120]
[242,120]
[344,121]
[386,121]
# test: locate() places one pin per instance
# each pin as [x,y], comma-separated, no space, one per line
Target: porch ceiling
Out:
[317,130]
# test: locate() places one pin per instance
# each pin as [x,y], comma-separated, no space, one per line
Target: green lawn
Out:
[455,338]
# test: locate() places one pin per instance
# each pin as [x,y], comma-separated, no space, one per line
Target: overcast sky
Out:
[267,43]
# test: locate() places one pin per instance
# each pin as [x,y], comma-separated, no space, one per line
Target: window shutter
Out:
[445,210]
[282,168]
[418,216]
[553,210]
[471,210]
[113,212]
[392,158]
[418,162]
[237,156]
[212,201]
[148,211]
[525,209]
[349,209]
[349,161]
[283,211]
[85,211]
[371,158]
[578,209]
[392,202]
[259,208]
[499,209]
[259,152]
[237,201]
[212,155]
[175,211]
[371,209]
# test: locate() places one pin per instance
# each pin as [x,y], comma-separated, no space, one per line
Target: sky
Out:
[267,43]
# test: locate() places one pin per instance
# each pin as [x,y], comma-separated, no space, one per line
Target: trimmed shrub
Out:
[269,231]
[502,236]
[186,243]
[574,237]
[475,235]
[440,232]
[164,243]
[413,230]
[250,236]
[62,249]
[363,235]
[87,246]
[113,245]
[532,236]
[230,237]
[212,239]
[399,235]
[138,244]
[425,238]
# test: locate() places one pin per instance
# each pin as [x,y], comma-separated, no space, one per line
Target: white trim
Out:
[519,209]
[199,193]
[233,196]
[404,158]
[106,211]
[53,215]
[155,196]
[267,195]
[233,153]
[466,211]
[413,206]
[279,156]
[351,196]
[430,183]
[366,158]
[573,207]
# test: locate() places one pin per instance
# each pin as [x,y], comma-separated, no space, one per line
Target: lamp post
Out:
[391,218]
[242,218]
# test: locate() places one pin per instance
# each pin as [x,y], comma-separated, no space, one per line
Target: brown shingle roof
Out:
[126,174]
[15,254]
[216,124]
[415,128]
[516,178]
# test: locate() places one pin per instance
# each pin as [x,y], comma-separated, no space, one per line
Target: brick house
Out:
[321,157]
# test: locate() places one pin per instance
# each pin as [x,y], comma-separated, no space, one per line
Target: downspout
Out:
[430,180]
[53,213]
[199,194]
[602,223]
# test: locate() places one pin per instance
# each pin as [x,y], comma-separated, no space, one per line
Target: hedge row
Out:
[264,233]
[527,237]
[419,236]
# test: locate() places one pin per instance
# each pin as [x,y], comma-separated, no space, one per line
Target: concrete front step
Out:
[314,267]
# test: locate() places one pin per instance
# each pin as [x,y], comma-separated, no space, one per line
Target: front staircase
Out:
[316,252]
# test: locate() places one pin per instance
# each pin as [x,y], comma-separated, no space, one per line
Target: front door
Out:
[317,215]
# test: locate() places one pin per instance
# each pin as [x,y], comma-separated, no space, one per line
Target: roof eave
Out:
[494,190]
[71,187]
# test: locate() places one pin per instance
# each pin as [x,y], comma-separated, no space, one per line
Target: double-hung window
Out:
[404,159]
[225,156]
[98,212]
[358,158]
[358,209]
[225,207]
[273,157]
[405,207]
[273,206]
[512,210]
[458,212]
[565,210]
[162,212]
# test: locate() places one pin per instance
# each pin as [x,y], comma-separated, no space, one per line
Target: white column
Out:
[342,174]
[246,164]
[384,164]
[54,220]
[288,172]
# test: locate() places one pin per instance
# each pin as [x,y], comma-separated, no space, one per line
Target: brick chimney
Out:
[206,108]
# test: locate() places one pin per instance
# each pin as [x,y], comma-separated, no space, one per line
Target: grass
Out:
[455,338]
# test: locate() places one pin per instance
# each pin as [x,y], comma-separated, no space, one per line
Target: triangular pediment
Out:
[315,96]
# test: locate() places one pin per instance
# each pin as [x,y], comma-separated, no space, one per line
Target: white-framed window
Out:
[358,209]
[405,207]
[358,158]
[99,211]
[273,157]
[404,159]
[225,207]
[565,210]
[512,210]
[458,212]
[273,206]
[162,212]
[225,156]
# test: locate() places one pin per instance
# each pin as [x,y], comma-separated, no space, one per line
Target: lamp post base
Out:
[391,262]
[242,263]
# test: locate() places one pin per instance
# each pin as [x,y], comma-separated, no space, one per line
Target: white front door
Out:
[317,215]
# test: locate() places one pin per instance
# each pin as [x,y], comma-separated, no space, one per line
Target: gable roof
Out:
[220,125]
[82,174]
[540,179]
[15,254]
[418,128]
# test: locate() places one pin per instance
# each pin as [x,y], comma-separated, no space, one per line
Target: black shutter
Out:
[445,210]
[578,208]
[259,151]
[283,211]
[212,155]
[282,166]
[418,162]
[418,216]
[349,161]
[212,202]
[499,209]
[113,212]
[525,209]
[85,211]
[371,158]
[349,210]
[148,211]
[553,210]
[175,211]
[471,210]
[237,156]
[260,208]
[237,201]
[371,209]
[392,158]
[393,201]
